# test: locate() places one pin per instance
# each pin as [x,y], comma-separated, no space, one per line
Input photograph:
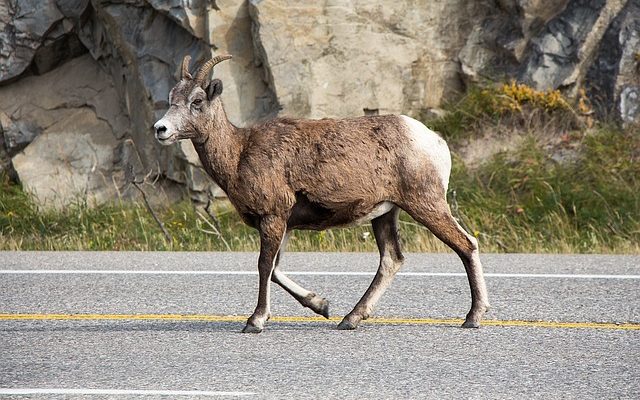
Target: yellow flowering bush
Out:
[514,101]
[513,96]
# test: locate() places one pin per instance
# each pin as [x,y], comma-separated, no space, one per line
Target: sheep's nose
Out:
[160,130]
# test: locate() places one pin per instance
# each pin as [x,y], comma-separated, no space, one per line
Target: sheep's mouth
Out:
[167,141]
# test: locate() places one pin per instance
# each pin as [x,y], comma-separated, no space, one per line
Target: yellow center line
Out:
[379,320]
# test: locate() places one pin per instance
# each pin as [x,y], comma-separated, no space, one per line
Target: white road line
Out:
[20,391]
[313,273]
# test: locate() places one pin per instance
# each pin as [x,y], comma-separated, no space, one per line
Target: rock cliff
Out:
[82,81]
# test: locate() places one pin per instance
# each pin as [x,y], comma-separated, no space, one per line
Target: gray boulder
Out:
[336,59]
[70,162]
[62,140]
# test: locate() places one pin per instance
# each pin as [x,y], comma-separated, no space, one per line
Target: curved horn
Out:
[206,67]
[185,67]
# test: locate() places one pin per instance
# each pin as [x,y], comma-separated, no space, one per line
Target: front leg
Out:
[272,230]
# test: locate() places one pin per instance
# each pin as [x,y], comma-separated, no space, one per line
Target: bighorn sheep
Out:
[289,174]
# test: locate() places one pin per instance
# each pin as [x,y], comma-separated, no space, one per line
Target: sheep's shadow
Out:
[159,326]
[213,327]
[128,326]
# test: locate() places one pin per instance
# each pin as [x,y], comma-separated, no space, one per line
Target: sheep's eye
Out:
[197,102]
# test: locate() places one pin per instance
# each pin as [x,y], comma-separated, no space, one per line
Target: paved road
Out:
[424,357]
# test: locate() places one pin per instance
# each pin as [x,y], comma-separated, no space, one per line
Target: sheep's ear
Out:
[214,89]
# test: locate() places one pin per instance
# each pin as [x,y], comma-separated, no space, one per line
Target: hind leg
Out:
[437,217]
[385,230]
[308,299]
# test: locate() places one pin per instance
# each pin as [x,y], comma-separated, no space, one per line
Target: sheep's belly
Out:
[310,215]
[380,209]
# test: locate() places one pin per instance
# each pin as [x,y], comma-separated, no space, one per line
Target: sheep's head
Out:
[192,104]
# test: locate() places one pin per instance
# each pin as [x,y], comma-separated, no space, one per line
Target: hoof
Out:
[255,324]
[323,309]
[347,325]
[317,304]
[471,324]
[474,316]
[251,329]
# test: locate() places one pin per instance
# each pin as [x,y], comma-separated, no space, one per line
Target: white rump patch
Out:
[430,143]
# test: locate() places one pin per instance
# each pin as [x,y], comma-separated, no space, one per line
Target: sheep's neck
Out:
[220,153]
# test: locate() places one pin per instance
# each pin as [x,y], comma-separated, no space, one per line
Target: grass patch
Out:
[527,201]
[522,201]
[569,187]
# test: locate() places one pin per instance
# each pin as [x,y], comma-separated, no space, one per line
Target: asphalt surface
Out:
[308,358]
